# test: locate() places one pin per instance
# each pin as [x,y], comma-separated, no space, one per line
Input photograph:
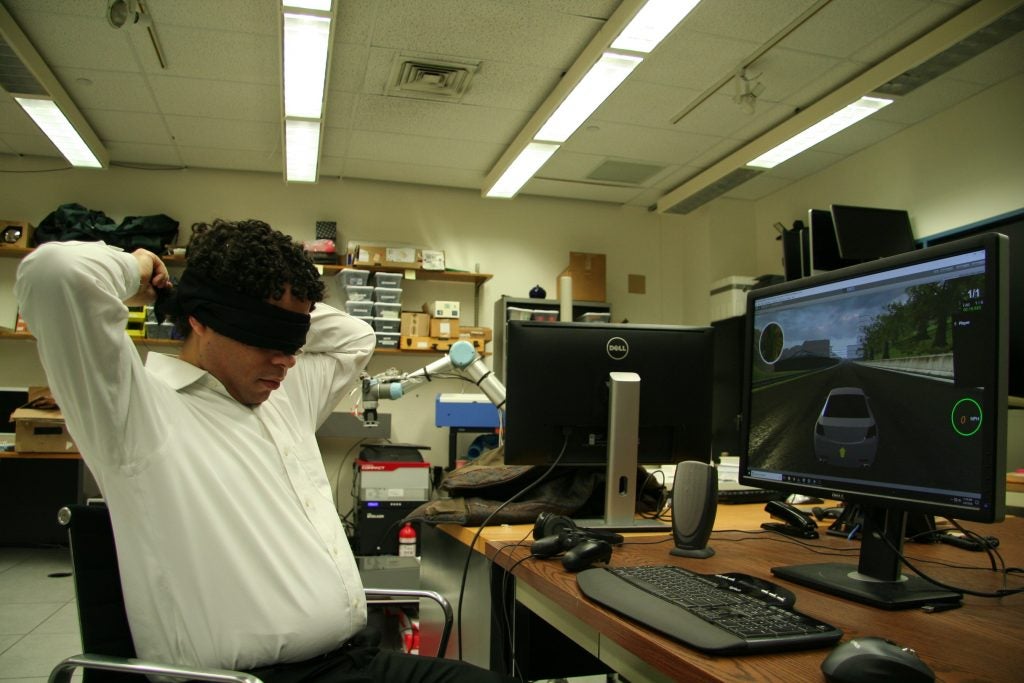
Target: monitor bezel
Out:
[995,247]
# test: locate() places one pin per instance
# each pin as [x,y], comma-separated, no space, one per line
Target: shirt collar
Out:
[179,374]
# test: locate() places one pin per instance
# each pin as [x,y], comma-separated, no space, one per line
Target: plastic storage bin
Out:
[362,309]
[387,295]
[353,276]
[387,280]
[385,310]
[516,313]
[387,340]
[358,293]
[387,324]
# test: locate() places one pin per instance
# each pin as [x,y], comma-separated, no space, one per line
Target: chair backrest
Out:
[101,614]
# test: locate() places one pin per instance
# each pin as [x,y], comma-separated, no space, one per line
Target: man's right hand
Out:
[153,275]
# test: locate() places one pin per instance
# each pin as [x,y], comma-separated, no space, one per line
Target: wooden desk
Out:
[979,642]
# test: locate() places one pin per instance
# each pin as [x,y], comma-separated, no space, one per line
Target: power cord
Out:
[1001,593]
[472,545]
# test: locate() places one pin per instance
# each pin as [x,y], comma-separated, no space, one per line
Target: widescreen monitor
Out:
[864,233]
[883,385]
[558,392]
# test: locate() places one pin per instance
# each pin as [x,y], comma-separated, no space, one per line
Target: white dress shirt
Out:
[230,548]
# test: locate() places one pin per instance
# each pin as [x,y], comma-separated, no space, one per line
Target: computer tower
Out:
[378,523]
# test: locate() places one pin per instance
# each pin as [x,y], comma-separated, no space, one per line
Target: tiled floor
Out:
[38,620]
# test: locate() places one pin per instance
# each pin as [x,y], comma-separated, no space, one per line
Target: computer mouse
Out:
[584,554]
[772,593]
[874,660]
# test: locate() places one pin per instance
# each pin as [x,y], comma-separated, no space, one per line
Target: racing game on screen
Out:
[875,381]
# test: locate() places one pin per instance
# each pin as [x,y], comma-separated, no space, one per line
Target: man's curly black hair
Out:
[251,258]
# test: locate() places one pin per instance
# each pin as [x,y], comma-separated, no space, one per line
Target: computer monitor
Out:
[824,249]
[559,397]
[883,385]
[864,233]
[1011,225]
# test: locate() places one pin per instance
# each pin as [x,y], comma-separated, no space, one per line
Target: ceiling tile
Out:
[129,126]
[436,119]
[218,104]
[217,99]
[232,159]
[224,134]
[122,90]
[423,151]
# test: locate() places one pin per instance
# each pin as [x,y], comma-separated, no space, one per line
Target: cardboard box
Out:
[417,343]
[442,309]
[471,333]
[432,259]
[415,324]
[15,234]
[444,328]
[588,276]
[38,430]
[383,255]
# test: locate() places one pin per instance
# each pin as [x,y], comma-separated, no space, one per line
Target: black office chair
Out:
[108,652]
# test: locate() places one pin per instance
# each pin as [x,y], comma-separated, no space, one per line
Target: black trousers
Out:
[356,664]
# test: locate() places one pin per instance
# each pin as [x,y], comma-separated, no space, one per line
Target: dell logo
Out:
[617,348]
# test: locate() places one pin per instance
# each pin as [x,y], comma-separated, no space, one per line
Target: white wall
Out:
[960,166]
[521,243]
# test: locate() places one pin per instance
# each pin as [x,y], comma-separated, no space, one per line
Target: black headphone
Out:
[548,524]
[578,547]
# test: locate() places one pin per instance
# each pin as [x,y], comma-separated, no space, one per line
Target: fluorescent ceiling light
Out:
[522,169]
[306,42]
[320,5]
[593,89]
[56,126]
[302,150]
[824,129]
[652,23]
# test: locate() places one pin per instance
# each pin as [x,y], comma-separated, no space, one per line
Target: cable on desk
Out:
[1001,593]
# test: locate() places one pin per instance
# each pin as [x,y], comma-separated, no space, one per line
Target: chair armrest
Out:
[63,671]
[384,594]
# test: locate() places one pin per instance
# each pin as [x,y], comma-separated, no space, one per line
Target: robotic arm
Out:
[462,359]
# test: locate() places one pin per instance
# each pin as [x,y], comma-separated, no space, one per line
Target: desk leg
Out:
[442,561]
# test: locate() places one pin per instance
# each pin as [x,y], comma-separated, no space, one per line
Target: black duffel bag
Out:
[75,222]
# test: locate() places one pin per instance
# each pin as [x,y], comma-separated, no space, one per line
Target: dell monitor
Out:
[561,399]
[883,385]
[863,233]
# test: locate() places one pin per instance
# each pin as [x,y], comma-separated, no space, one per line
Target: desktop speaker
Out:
[694,504]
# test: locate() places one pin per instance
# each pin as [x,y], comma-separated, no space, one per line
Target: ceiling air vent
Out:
[430,79]
[1008,25]
[624,172]
[714,190]
[15,77]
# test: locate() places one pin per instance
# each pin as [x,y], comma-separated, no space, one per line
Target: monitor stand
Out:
[621,482]
[877,579]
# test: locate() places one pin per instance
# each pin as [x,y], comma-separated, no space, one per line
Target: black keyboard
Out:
[702,611]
